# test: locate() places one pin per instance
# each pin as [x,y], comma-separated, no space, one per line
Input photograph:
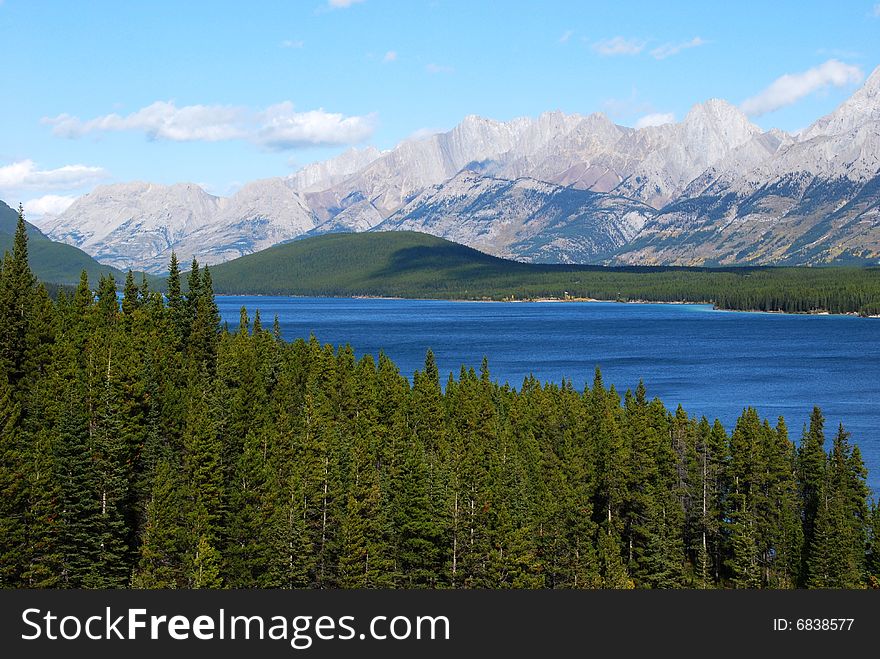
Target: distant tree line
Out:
[144,445]
[412,265]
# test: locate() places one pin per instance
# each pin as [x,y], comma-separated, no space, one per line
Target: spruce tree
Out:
[43,560]
[811,472]
[12,494]
[16,287]
[162,548]
[743,563]
[836,556]
[204,482]
[193,293]
[873,549]
[176,302]
[611,566]
[81,532]
[206,570]
[131,299]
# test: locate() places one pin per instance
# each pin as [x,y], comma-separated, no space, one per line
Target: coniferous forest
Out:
[143,445]
[416,265]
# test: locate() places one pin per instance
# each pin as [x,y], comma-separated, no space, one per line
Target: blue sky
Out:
[220,93]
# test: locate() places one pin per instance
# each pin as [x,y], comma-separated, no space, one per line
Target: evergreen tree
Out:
[43,561]
[148,447]
[12,494]
[16,287]
[176,302]
[744,567]
[811,472]
[163,544]
[81,515]
[193,293]
[204,483]
[782,532]
[836,557]
[206,567]
[131,299]
[611,565]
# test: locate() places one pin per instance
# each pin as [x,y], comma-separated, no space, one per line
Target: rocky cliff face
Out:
[524,219]
[813,199]
[713,188]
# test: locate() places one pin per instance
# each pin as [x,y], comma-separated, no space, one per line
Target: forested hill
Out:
[142,445]
[52,262]
[416,265]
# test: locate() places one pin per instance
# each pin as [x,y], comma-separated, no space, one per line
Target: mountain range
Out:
[713,189]
[51,262]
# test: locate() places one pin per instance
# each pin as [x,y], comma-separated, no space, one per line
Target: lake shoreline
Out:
[853,314]
[712,363]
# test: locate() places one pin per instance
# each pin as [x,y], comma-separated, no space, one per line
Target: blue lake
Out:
[712,362]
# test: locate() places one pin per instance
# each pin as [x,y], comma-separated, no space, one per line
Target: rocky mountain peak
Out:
[580,182]
[861,107]
[872,84]
[721,117]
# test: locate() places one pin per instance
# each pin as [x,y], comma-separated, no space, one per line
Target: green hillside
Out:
[409,264]
[51,262]
[389,263]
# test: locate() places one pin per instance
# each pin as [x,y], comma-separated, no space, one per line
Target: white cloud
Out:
[438,68]
[25,175]
[618,46]
[568,34]
[282,128]
[792,87]
[276,127]
[669,49]
[50,204]
[293,43]
[161,120]
[656,119]
[390,56]
[342,4]
[627,107]
[421,134]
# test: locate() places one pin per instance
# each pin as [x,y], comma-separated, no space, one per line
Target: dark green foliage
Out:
[873,554]
[16,284]
[163,542]
[12,493]
[408,264]
[52,262]
[841,528]
[174,296]
[81,515]
[142,446]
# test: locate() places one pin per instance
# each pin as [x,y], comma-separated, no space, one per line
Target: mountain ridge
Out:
[51,262]
[714,178]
